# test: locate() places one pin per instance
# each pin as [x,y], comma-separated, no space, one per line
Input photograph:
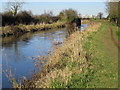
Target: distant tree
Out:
[14,6]
[70,15]
[100,15]
[46,17]
[62,15]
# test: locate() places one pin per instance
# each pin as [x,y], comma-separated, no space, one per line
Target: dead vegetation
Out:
[21,28]
[68,67]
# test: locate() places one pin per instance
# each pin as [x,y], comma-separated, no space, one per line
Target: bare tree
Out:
[100,15]
[14,6]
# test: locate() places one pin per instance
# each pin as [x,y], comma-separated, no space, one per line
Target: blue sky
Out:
[85,8]
[58,0]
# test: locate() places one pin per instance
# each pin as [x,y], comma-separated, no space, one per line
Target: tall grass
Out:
[69,67]
[21,28]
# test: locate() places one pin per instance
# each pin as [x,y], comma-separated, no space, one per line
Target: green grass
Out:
[116,31]
[88,60]
[77,79]
[118,34]
[104,59]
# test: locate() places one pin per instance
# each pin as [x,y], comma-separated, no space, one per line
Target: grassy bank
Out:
[21,29]
[116,31]
[69,67]
[87,59]
[104,57]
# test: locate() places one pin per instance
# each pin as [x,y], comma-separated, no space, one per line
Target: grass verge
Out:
[69,67]
[87,59]
[104,58]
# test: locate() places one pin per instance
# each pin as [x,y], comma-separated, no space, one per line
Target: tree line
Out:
[69,16]
[26,17]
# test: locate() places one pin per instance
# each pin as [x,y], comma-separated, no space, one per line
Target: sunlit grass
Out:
[21,28]
[68,67]
[101,47]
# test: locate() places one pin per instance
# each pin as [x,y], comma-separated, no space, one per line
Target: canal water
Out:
[18,52]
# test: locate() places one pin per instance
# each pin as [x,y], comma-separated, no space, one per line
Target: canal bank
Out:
[87,59]
[21,29]
[26,50]
[19,54]
[68,67]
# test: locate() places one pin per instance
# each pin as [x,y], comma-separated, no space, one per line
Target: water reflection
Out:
[20,50]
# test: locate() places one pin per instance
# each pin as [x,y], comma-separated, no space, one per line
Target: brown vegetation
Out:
[21,29]
[68,60]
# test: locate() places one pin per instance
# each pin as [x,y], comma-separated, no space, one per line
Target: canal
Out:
[18,53]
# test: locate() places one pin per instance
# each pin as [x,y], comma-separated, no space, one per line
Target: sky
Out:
[84,8]
[57,0]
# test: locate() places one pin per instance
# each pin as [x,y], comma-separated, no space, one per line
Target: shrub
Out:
[24,17]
